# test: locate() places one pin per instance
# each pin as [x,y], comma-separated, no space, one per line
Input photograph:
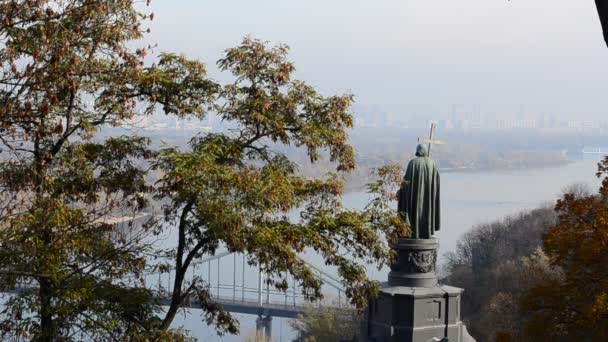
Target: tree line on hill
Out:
[538,275]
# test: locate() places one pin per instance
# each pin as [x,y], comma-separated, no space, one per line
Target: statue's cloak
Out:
[419,196]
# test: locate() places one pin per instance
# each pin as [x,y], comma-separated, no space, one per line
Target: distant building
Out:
[467,116]
[464,124]
[580,125]
[157,126]
[447,124]
[391,119]
[547,121]
[516,124]
[197,127]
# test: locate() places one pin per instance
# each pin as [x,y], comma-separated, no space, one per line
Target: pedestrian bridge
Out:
[241,288]
[244,290]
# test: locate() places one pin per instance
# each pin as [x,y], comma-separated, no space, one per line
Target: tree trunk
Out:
[47,326]
[602,9]
[176,299]
[180,268]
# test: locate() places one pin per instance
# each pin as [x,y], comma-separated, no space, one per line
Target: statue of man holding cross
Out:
[419,193]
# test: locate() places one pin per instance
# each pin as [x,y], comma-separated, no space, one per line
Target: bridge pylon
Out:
[263,328]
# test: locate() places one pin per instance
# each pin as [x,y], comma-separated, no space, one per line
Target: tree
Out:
[496,263]
[575,307]
[66,70]
[234,190]
[327,325]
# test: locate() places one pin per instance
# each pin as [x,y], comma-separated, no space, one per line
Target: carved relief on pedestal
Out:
[415,261]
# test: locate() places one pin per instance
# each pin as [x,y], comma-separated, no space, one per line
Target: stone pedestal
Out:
[415,264]
[415,314]
[412,306]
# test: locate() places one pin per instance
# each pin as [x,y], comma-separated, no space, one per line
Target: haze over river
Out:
[467,199]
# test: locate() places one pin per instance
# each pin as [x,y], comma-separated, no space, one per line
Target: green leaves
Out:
[66,71]
[179,85]
[326,324]
[56,245]
[266,104]
[255,62]
[236,190]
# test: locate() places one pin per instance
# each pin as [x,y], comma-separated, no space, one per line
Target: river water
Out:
[468,199]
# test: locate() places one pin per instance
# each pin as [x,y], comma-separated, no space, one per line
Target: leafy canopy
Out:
[237,190]
[575,307]
[66,70]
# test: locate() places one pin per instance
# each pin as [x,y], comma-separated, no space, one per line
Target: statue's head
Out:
[421,151]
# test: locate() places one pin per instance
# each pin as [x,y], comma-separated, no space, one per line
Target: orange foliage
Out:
[575,308]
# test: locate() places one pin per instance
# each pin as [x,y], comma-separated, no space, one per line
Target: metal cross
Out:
[431,140]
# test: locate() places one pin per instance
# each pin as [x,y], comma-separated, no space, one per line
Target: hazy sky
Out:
[415,56]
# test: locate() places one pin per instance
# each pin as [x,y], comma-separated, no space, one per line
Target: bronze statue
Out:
[419,196]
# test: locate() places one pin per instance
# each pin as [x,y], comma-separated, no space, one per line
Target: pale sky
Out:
[415,56]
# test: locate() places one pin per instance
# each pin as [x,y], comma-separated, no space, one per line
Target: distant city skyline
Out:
[475,118]
[374,118]
[414,56]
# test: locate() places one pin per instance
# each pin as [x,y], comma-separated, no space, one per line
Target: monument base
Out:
[412,306]
[415,314]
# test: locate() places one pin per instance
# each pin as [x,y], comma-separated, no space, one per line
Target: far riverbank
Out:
[358,182]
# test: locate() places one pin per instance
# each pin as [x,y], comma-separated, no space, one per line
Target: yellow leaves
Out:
[599,307]
[141,53]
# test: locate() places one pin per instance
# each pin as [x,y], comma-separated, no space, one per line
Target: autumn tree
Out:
[496,262]
[67,69]
[574,308]
[235,190]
